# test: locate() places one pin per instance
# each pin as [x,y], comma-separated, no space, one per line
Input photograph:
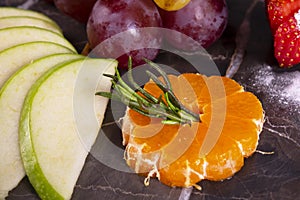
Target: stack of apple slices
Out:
[49,115]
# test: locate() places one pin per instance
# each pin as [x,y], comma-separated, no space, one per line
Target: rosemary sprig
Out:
[170,110]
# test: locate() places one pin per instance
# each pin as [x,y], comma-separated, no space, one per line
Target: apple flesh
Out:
[52,149]
[16,21]
[25,53]
[18,35]
[12,96]
[11,11]
[37,62]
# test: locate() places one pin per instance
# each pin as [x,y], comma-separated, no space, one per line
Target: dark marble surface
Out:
[275,176]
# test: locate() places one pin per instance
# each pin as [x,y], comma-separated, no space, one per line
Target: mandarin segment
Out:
[156,136]
[189,168]
[138,118]
[183,88]
[224,160]
[244,105]
[244,132]
[190,85]
[196,81]
[230,123]
[217,87]
[181,143]
[141,163]
[153,89]
[181,174]
[146,144]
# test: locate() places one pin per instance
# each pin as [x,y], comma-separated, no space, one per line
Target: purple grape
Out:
[111,17]
[202,20]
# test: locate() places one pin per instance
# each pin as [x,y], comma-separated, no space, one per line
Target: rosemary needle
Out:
[171,111]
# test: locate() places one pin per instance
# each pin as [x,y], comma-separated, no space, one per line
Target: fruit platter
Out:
[149,99]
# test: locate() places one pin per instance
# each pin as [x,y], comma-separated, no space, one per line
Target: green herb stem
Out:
[171,110]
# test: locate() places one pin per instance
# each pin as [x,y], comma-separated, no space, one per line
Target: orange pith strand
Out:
[212,148]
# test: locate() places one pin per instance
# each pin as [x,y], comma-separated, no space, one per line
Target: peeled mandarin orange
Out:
[213,148]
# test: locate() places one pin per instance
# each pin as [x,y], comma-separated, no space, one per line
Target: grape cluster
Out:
[202,20]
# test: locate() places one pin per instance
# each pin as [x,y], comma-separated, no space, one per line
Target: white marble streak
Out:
[27,4]
[241,41]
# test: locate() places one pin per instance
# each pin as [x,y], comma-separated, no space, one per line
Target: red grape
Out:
[77,9]
[202,20]
[110,17]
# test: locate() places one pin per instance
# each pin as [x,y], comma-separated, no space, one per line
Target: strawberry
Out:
[287,41]
[278,10]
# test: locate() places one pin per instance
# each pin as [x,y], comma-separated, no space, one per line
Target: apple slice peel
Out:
[17,21]
[13,58]
[12,11]
[52,149]
[13,36]
[12,96]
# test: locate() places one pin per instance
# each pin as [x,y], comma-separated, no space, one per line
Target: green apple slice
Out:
[52,149]
[15,57]
[18,35]
[12,11]
[16,21]
[12,96]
